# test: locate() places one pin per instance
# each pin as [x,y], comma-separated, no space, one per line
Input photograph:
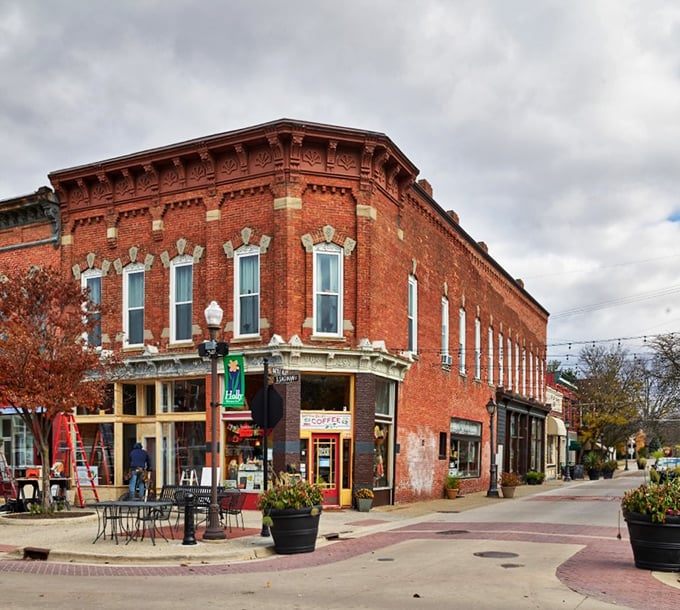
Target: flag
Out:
[234,382]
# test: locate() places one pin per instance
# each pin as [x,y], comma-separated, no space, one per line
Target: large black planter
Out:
[295,530]
[656,546]
[594,474]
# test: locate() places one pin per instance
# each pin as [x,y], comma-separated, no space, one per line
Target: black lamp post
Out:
[213,350]
[493,488]
[567,473]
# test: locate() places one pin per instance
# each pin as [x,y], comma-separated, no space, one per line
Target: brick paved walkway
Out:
[603,569]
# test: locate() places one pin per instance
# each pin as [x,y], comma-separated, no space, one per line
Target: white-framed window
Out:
[91,280]
[478,348]
[509,354]
[445,326]
[517,378]
[461,341]
[328,282]
[532,387]
[524,372]
[412,314]
[181,298]
[501,363]
[133,304]
[490,339]
[247,291]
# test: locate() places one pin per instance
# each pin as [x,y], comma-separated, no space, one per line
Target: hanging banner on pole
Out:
[234,382]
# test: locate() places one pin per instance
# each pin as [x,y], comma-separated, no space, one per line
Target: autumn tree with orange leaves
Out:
[47,366]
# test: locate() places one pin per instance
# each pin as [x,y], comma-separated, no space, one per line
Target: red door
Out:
[326,465]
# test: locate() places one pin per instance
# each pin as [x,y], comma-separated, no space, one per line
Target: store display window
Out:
[466,439]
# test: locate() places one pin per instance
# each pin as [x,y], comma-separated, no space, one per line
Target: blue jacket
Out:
[139,458]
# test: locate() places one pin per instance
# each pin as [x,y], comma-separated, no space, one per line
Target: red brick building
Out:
[331,261]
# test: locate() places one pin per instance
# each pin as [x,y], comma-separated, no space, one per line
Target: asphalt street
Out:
[553,546]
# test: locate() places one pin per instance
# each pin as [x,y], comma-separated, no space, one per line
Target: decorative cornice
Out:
[39,207]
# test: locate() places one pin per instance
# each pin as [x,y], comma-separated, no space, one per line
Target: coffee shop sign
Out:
[325,421]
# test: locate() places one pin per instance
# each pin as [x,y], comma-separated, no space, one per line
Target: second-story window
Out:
[445,326]
[247,291]
[501,347]
[490,339]
[91,280]
[461,341]
[181,298]
[478,348]
[133,304]
[412,313]
[328,289]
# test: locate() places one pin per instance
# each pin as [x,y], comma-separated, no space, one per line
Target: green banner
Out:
[234,382]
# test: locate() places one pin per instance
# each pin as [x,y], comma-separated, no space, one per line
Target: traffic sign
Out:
[280,376]
[275,411]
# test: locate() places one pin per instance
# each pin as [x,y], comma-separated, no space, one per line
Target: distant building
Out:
[332,261]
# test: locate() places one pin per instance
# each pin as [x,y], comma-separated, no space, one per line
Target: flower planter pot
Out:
[656,546]
[364,504]
[452,494]
[607,474]
[508,491]
[295,530]
[593,474]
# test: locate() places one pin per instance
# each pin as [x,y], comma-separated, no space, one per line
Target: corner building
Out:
[333,262]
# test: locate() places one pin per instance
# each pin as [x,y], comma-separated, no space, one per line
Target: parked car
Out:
[667,467]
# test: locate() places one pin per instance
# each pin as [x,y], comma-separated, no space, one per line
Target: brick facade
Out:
[288,187]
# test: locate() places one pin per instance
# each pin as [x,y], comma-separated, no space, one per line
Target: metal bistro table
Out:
[147,517]
[131,518]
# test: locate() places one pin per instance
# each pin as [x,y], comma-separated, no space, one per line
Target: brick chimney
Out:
[453,216]
[426,186]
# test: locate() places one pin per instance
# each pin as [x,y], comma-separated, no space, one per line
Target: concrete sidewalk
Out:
[71,539]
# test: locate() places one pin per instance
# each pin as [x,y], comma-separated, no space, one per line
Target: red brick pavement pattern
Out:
[603,569]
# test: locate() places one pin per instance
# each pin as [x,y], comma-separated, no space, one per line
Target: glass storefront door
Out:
[325,465]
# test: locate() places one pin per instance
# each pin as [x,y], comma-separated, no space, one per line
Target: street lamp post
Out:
[213,350]
[567,473]
[493,488]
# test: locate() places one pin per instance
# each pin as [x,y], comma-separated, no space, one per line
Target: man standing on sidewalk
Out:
[139,463]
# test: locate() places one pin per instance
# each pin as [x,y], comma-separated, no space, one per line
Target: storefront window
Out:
[244,455]
[98,442]
[184,451]
[381,461]
[466,438]
[325,392]
[385,398]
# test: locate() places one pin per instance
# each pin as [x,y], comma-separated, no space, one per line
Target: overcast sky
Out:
[550,127]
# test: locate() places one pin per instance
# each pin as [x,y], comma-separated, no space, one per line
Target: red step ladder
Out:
[66,440]
[8,488]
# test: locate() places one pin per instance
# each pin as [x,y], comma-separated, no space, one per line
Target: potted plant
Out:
[652,514]
[593,466]
[608,468]
[534,478]
[452,486]
[641,463]
[364,499]
[509,481]
[292,507]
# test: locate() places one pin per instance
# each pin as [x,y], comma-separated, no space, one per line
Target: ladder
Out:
[67,438]
[8,488]
[101,448]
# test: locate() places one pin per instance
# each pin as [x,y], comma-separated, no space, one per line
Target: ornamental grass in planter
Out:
[509,481]
[652,514]
[292,507]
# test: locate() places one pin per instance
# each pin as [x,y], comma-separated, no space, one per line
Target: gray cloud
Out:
[549,127]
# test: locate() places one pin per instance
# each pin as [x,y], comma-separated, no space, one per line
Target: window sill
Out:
[328,338]
[245,339]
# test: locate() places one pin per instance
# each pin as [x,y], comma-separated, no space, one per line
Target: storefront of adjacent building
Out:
[333,264]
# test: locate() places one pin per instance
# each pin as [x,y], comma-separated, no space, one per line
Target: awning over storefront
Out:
[556,426]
